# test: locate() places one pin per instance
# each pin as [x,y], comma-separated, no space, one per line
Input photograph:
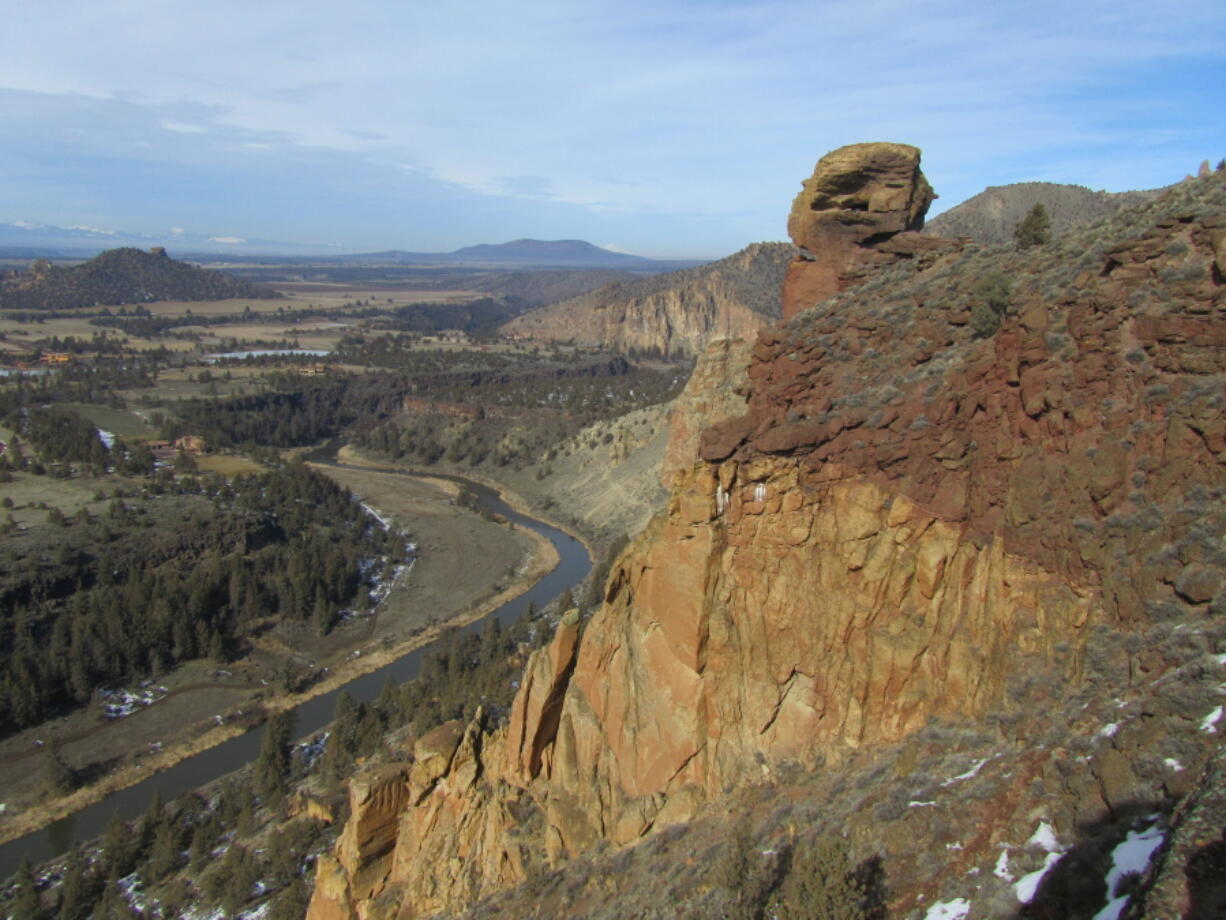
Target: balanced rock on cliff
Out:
[862,207]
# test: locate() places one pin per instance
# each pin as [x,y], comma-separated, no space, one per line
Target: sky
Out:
[666,129]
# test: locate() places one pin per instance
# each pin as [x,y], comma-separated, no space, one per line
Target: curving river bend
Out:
[573,566]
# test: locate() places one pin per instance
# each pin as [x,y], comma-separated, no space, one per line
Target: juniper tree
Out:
[1034,229]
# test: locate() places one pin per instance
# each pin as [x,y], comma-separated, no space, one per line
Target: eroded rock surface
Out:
[903,518]
[862,207]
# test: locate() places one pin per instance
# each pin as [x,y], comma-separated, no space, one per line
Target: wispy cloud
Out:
[676,127]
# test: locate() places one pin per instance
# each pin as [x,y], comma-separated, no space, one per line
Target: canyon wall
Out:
[674,314]
[900,512]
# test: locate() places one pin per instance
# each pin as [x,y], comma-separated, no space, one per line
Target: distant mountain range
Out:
[119,276]
[30,241]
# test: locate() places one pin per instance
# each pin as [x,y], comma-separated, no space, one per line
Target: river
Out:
[573,566]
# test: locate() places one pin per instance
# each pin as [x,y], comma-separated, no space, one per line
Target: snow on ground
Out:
[1209,722]
[107,438]
[1108,730]
[119,703]
[1044,838]
[949,910]
[969,774]
[384,522]
[1132,855]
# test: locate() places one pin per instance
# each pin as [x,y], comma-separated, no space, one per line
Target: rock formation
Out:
[902,517]
[861,208]
[674,314]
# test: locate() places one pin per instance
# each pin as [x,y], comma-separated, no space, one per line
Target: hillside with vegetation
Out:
[991,216]
[929,624]
[120,276]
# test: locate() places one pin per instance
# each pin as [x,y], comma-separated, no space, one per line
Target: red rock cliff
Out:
[904,515]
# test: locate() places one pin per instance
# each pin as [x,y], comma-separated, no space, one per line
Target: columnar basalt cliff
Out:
[905,513]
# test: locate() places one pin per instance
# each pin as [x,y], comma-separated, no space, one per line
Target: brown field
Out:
[227,465]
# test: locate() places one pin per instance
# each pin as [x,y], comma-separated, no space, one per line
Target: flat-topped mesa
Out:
[862,207]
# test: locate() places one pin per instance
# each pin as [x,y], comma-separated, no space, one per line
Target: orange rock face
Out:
[861,208]
[900,517]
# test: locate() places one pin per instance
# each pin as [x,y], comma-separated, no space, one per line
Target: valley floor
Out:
[201,705]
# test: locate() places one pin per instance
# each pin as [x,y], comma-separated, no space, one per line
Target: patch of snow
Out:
[969,774]
[107,438]
[949,910]
[1209,722]
[916,804]
[384,522]
[1045,838]
[1132,855]
[953,846]
[119,703]
[1108,730]
[1173,764]
[1002,867]
[1028,885]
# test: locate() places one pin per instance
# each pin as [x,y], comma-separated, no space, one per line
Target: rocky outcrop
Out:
[861,209]
[675,314]
[903,516]
[715,392]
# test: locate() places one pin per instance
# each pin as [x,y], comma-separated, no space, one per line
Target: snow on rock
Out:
[1028,885]
[1002,867]
[1132,855]
[1209,722]
[1045,838]
[949,910]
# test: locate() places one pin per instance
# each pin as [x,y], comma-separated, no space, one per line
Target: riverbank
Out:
[412,616]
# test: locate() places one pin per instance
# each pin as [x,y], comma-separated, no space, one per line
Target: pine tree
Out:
[291,902]
[79,888]
[1034,229]
[58,778]
[25,896]
[164,855]
[117,851]
[272,767]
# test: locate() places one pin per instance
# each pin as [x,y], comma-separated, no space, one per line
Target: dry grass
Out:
[131,426]
[227,465]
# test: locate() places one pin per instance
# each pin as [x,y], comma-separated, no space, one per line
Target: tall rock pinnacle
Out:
[863,206]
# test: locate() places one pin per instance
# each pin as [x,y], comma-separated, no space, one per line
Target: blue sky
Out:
[675,130]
